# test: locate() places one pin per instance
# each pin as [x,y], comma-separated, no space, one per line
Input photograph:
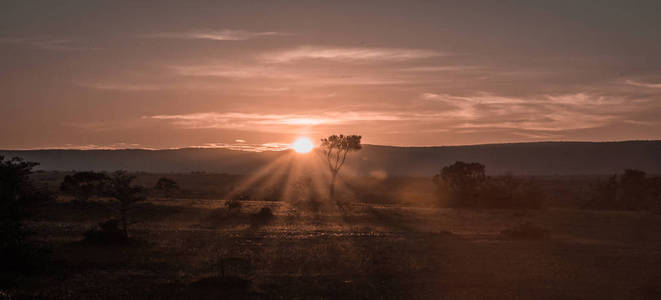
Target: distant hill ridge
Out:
[537,158]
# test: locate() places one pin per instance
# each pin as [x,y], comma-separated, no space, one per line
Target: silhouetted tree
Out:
[462,181]
[336,148]
[16,192]
[83,185]
[166,186]
[125,195]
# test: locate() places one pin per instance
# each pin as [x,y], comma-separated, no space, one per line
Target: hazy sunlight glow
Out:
[302,145]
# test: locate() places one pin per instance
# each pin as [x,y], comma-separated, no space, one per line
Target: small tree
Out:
[84,185]
[336,148]
[125,195]
[166,186]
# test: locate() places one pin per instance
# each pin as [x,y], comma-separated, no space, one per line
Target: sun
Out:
[302,145]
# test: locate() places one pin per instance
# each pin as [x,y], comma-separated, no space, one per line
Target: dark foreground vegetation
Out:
[460,235]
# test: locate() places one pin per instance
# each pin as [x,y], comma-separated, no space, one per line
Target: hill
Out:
[541,158]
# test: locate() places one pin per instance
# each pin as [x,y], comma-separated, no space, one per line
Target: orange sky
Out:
[93,74]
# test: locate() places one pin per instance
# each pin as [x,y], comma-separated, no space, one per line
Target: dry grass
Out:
[386,251]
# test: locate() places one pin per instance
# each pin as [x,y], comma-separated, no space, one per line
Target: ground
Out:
[181,247]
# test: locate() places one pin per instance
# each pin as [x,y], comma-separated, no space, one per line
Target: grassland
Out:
[369,251]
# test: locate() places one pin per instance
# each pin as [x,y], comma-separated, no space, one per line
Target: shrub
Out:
[632,190]
[106,232]
[83,185]
[465,185]
[232,205]
[526,230]
[166,186]
[461,182]
[263,217]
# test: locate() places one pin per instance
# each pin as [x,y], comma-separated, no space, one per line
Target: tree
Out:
[462,181]
[632,190]
[166,186]
[16,192]
[84,185]
[126,195]
[336,148]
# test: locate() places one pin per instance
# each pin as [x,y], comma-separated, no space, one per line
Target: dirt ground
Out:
[187,248]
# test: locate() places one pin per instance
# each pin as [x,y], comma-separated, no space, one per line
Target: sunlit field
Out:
[184,247]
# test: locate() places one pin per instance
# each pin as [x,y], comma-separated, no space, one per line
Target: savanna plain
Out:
[390,238]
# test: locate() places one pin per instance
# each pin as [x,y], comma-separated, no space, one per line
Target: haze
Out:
[258,75]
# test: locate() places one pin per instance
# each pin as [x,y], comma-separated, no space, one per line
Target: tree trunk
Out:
[332,185]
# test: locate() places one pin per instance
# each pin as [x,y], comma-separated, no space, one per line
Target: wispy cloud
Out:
[232,71]
[293,76]
[429,69]
[242,146]
[132,87]
[643,84]
[49,44]
[349,54]
[536,115]
[544,113]
[216,35]
[114,146]
[258,122]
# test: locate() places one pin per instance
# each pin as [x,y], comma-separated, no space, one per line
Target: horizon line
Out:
[372,145]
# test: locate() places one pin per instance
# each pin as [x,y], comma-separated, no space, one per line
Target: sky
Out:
[255,75]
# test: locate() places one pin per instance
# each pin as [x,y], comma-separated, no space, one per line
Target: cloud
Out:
[440,69]
[349,54]
[114,146]
[270,122]
[538,115]
[233,71]
[242,146]
[294,76]
[643,84]
[541,113]
[216,35]
[49,44]
[131,87]
[134,86]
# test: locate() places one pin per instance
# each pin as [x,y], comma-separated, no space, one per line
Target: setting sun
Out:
[302,145]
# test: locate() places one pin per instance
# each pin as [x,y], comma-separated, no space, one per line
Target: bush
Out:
[107,232]
[461,183]
[507,192]
[526,231]
[632,190]
[232,205]
[166,187]
[263,217]
[465,185]
[83,185]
